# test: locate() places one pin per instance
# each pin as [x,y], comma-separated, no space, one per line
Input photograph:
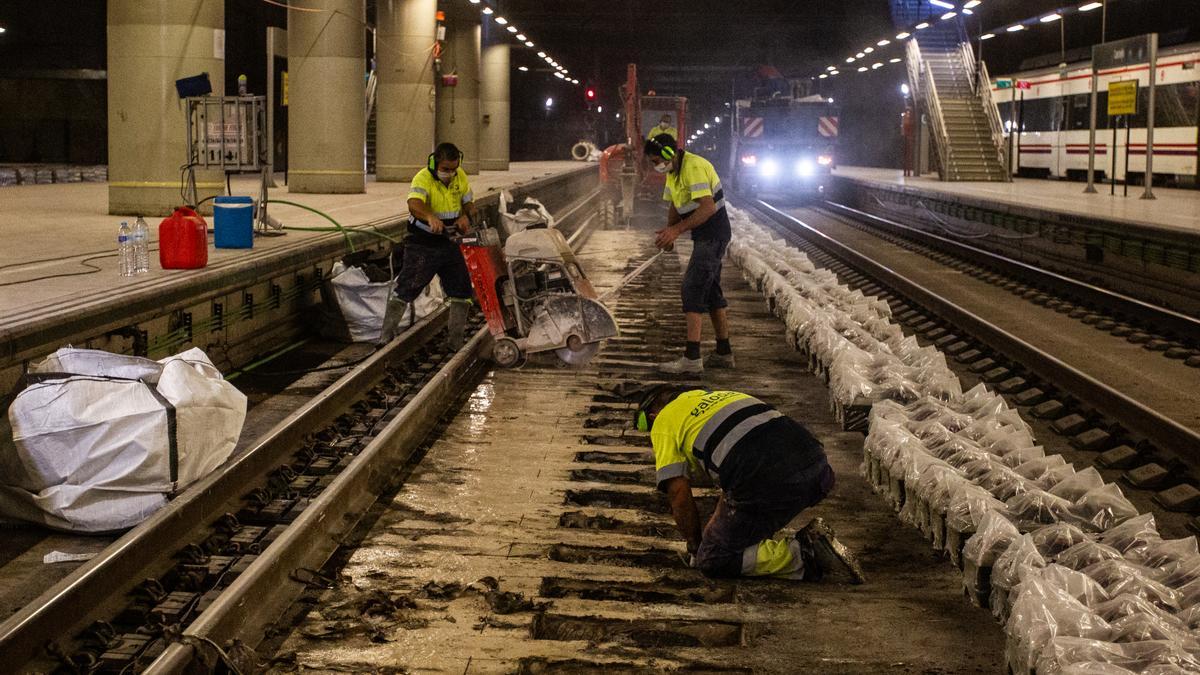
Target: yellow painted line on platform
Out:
[158,184]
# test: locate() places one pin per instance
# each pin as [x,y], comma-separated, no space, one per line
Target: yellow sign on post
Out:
[1122,98]
[283,89]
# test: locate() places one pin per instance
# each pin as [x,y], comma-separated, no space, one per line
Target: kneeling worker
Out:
[440,203]
[697,205]
[769,468]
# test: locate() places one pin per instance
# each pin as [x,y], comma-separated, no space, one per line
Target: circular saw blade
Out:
[578,357]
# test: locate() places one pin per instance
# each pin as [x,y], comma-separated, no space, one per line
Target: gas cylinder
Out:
[183,240]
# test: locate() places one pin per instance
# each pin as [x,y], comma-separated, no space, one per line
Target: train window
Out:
[1175,105]
[1079,112]
[1041,114]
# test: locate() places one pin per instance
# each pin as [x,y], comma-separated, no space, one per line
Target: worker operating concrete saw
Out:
[769,468]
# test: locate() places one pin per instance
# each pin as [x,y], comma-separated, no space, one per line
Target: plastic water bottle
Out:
[141,246]
[126,256]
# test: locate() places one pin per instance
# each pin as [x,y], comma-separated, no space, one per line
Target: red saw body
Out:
[535,296]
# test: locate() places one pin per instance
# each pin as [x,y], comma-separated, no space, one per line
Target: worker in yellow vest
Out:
[769,468]
[664,127]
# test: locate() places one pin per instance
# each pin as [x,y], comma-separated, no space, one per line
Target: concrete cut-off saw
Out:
[535,296]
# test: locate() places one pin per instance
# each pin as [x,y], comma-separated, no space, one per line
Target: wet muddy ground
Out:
[530,538]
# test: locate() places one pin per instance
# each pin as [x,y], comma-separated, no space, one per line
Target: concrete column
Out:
[327,96]
[406,104]
[458,106]
[493,104]
[152,43]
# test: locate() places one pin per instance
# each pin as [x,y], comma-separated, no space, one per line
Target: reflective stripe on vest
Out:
[726,427]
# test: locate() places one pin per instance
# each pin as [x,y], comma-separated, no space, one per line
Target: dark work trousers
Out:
[736,526]
[701,289]
[427,256]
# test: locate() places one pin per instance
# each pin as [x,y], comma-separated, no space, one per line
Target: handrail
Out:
[968,57]
[941,136]
[372,89]
[992,111]
[913,63]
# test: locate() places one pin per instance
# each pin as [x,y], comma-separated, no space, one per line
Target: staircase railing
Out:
[968,59]
[992,111]
[941,136]
[372,90]
[913,63]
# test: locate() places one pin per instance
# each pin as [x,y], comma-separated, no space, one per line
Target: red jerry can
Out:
[183,240]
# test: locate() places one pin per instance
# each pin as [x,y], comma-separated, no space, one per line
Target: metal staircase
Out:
[956,94]
[372,92]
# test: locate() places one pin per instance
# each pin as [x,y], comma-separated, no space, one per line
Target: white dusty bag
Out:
[361,301]
[531,212]
[101,440]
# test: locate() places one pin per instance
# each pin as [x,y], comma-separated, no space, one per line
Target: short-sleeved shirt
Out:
[670,131]
[446,201]
[751,450]
[697,178]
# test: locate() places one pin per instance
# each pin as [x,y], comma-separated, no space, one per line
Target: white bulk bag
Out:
[364,302]
[94,451]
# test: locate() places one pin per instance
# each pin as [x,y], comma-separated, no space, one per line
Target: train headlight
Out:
[825,160]
[769,168]
[805,168]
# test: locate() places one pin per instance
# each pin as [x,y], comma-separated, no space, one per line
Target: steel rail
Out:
[90,592]
[1158,317]
[259,595]
[1138,418]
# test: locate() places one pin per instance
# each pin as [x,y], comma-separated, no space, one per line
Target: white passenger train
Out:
[1053,118]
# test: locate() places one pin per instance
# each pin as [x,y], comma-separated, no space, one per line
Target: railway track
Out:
[199,581]
[1137,425]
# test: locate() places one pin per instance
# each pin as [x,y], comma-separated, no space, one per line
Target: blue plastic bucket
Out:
[233,222]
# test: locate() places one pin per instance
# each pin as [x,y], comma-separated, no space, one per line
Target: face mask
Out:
[445,175]
[662,168]
[664,124]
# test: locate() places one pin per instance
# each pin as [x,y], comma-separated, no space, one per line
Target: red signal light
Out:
[590,94]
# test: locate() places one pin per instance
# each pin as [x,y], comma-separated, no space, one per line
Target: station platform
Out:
[1173,210]
[59,282]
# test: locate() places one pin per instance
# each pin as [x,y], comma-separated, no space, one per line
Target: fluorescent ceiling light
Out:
[868,50]
[501,20]
[1050,17]
[972,4]
[860,55]
[822,76]
[834,72]
[876,65]
[529,43]
[895,60]
[967,12]
[922,26]
[942,3]
[850,60]
[523,69]
[903,36]
[512,29]
[1090,6]
[1013,29]
[486,9]
[949,15]
[521,37]
[541,55]
[474,2]
[830,67]
[862,69]
[883,42]
[987,36]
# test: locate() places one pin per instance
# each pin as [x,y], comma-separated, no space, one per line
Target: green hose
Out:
[337,227]
[267,359]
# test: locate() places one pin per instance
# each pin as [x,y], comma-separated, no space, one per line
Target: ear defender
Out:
[641,421]
[433,161]
[667,152]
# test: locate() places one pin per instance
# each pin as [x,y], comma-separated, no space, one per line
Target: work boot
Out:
[392,318]
[824,555]
[456,321]
[681,366]
[716,360]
